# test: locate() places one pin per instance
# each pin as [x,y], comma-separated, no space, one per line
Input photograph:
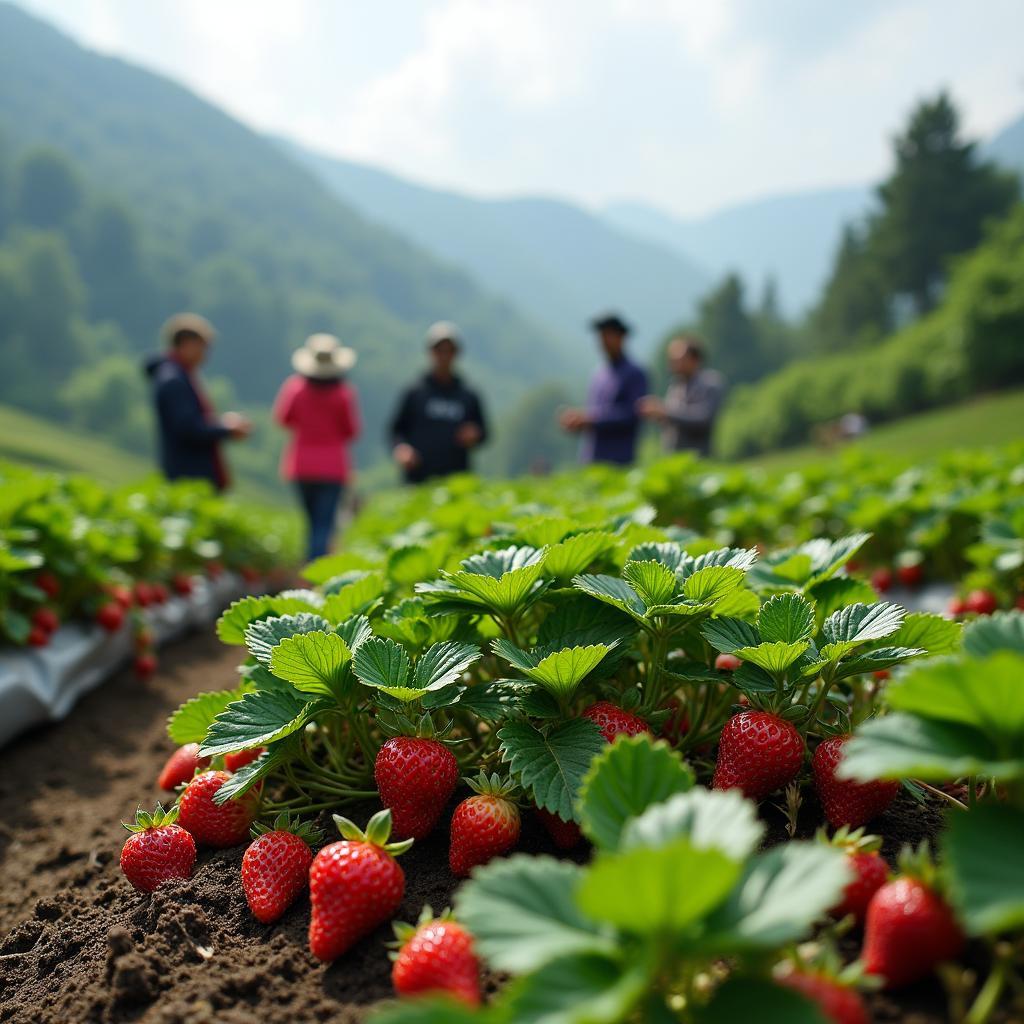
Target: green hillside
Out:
[185,207]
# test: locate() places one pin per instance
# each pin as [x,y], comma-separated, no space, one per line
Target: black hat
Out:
[610,322]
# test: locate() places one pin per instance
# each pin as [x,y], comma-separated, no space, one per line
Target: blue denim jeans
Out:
[320,500]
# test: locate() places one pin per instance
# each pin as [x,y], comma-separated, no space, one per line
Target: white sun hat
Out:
[323,357]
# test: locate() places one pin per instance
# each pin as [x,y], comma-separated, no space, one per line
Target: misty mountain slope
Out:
[237,222]
[556,261]
[791,238]
[1007,147]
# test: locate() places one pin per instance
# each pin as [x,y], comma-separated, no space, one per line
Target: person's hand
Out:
[406,456]
[238,425]
[651,407]
[574,420]
[468,434]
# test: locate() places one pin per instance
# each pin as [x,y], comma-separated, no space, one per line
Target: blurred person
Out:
[610,422]
[687,412]
[320,409]
[190,431]
[439,420]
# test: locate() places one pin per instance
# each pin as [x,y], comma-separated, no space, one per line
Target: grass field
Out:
[990,420]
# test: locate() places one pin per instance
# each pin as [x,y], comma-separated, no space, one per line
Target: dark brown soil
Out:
[80,945]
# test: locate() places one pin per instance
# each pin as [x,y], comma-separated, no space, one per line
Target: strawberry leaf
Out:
[443,663]
[316,662]
[728,635]
[263,636]
[576,554]
[258,719]
[653,582]
[382,663]
[773,658]
[858,623]
[191,721]
[1003,631]
[551,765]
[232,625]
[357,598]
[786,618]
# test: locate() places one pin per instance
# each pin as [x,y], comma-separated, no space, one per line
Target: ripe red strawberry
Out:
[354,885]
[143,594]
[182,584]
[870,871]
[564,834]
[846,802]
[881,675]
[48,584]
[110,616]
[181,766]
[911,575]
[838,1002]
[275,867]
[159,594]
[909,929]
[239,759]
[121,594]
[981,602]
[415,778]
[727,663]
[484,826]
[436,956]
[144,665]
[249,574]
[157,849]
[211,824]
[1019,603]
[615,721]
[758,753]
[881,580]
[37,637]
[46,620]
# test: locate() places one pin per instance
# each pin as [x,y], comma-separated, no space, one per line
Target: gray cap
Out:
[443,330]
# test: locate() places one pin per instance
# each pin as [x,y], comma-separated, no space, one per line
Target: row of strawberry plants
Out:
[541,663]
[72,549]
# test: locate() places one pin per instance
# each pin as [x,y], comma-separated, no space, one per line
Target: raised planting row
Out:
[72,550]
[641,689]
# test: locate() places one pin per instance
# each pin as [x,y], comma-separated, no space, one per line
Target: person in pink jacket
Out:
[321,411]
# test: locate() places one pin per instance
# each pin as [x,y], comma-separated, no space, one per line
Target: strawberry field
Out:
[674,745]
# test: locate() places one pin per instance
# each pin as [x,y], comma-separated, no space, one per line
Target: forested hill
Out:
[201,212]
[556,260]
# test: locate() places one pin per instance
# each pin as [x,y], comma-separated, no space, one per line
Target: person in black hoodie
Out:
[190,431]
[439,420]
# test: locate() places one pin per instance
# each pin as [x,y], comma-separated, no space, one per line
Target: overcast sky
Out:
[687,104]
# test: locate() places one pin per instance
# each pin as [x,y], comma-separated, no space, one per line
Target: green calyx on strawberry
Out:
[910,928]
[416,776]
[275,866]
[212,824]
[485,825]
[844,801]
[354,885]
[758,753]
[435,956]
[869,868]
[157,850]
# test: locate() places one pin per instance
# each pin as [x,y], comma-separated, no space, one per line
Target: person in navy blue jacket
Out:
[190,431]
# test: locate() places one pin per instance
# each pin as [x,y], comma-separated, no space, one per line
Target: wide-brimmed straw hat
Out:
[323,357]
[193,323]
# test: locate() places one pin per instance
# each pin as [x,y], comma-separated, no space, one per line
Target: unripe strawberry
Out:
[436,957]
[614,721]
[416,778]
[484,826]
[727,663]
[46,620]
[211,824]
[354,885]
[847,802]
[275,867]
[156,850]
[240,758]
[181,766]
[908,931]
[758,752]
[110,616]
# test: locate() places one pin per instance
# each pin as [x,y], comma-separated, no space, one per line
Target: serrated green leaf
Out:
[562,671]
[189,723]
[708,818]
[327,568]
[611,590]
[522,913]
[837,592]
[1003,631]
[712,583]
[728,635]
[355,631]
[668,553]
[356,598]
[576,554]
[232,624]
[754,999]
[551,765]
[443,663]
[647,891]
[773,658]
[314,662]
[263,636]
[931,633]
[382,663]
[983,853]
[786,618]
[876,659]
[249,774]
[858,623]
[781,894]
[626,779]
[653,582]
[256,720]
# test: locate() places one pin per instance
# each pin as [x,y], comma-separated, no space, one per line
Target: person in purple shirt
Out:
[610,423]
